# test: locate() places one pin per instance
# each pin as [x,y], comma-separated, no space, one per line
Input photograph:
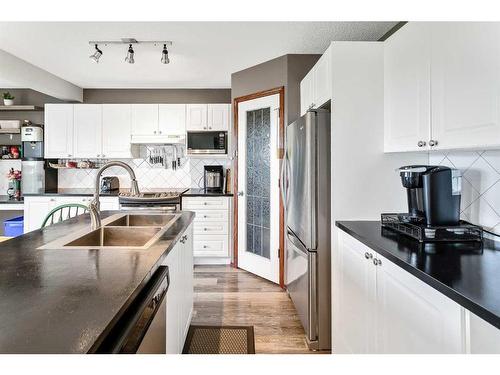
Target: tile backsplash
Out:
[188,175]
[480,184]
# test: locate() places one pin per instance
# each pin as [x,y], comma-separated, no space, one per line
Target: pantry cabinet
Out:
[381,308]
[316,86]
[180,292]
[58,131]
[442,86]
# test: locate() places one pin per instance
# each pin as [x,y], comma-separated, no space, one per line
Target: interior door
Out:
[258,189]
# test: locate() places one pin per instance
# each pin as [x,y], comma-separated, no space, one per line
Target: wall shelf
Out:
[20,108]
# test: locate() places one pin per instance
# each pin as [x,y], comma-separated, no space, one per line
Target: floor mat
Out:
[219,340]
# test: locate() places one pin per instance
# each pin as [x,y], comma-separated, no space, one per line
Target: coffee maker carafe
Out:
[433,194]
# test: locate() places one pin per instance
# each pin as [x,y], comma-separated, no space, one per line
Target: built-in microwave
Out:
[206,142]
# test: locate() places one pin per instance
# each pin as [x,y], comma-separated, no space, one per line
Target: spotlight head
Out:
[130,55]
[164,55]
[96,55]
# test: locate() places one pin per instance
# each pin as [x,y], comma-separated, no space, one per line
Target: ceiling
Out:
[203,54]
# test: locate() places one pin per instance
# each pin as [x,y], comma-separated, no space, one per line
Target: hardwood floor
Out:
[229,296]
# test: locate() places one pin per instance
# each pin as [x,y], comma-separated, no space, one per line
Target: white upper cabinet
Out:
[58,129]
[87,130]
[172,119]
[407,89]
[316,87]
[442,86]
[116,131]
[465,84]
[144,119]
[218,117]
[196,117]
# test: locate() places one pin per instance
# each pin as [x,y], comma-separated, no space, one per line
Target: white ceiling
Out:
[203,55]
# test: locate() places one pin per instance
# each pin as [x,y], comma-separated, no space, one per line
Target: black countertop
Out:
[66,301]
[5,199]
[468,273]
[75,192]
[202,193]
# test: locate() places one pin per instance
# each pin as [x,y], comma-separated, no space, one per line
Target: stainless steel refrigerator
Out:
[305,182]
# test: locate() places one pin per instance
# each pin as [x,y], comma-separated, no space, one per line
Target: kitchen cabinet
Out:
[144,119]
[354,290]
[384,309]
[36,208]
[483,338]
[316,86]
[218,117]
[465,81]
[211,227]
[180,292]
[58,131]
[442,86]
[407,90]
[172,119]
[116,131]
[87,130]
[196,117]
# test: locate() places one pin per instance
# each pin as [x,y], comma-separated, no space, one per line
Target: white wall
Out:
[20,73]
[364,181]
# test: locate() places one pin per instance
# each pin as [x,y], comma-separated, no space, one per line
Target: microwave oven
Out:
[213,142]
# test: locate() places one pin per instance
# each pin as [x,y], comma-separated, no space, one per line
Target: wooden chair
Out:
[64,212]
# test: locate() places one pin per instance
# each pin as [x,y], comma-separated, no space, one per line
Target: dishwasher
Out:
[142,328]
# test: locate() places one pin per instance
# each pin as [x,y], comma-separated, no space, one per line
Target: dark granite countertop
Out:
[197,192]
[5,199]
[76,192]
[467,272]
[66,301]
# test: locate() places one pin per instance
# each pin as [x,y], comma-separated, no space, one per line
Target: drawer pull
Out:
[205,246]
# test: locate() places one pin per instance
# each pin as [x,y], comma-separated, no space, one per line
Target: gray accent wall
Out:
[171,96]
[287,71]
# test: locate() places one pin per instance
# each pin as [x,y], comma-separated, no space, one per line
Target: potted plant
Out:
[8,99]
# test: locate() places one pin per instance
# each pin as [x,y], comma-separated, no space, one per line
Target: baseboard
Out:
[211,260]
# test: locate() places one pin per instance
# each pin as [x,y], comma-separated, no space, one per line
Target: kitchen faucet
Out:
[94,206]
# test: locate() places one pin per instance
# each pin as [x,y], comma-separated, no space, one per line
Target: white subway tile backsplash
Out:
[481,175]
[188,175]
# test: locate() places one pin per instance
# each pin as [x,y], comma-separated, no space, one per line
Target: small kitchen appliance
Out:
[214,178]
[206,142]
[37,177]
[433,194]
[110,184]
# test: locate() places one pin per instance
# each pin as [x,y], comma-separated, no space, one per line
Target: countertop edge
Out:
[136,292]
[462,300]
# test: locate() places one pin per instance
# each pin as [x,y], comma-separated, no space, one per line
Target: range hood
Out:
[158,140]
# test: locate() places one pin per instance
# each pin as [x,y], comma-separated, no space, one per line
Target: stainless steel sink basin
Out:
[142,221]
[116,236]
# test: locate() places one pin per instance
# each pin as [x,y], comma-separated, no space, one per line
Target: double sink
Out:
[130,231]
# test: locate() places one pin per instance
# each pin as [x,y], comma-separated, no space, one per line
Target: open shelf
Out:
[20,108]
[10,131]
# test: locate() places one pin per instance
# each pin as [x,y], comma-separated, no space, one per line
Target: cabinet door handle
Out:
[433,143]
[421,143]
[210,127]
[69,155]
[154,132]
[377,262]
[368,255]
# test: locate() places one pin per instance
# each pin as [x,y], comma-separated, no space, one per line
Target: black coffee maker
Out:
[433,194]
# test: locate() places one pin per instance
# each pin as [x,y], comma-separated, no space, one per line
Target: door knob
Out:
[240,193]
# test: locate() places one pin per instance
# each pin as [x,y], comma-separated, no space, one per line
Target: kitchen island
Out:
[66,300]
[393,294]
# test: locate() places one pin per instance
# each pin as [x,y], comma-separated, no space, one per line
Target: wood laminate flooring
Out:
[230,296]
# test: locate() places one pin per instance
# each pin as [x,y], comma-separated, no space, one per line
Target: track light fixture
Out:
[130,51]
[130,55]
[96,55]
[164,55]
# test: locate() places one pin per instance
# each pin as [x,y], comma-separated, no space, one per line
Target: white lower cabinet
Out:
[211,226]
[180,292]
[482,338]
[381,308]
[36,208]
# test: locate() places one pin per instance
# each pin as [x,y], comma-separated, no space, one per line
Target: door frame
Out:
[281,136]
